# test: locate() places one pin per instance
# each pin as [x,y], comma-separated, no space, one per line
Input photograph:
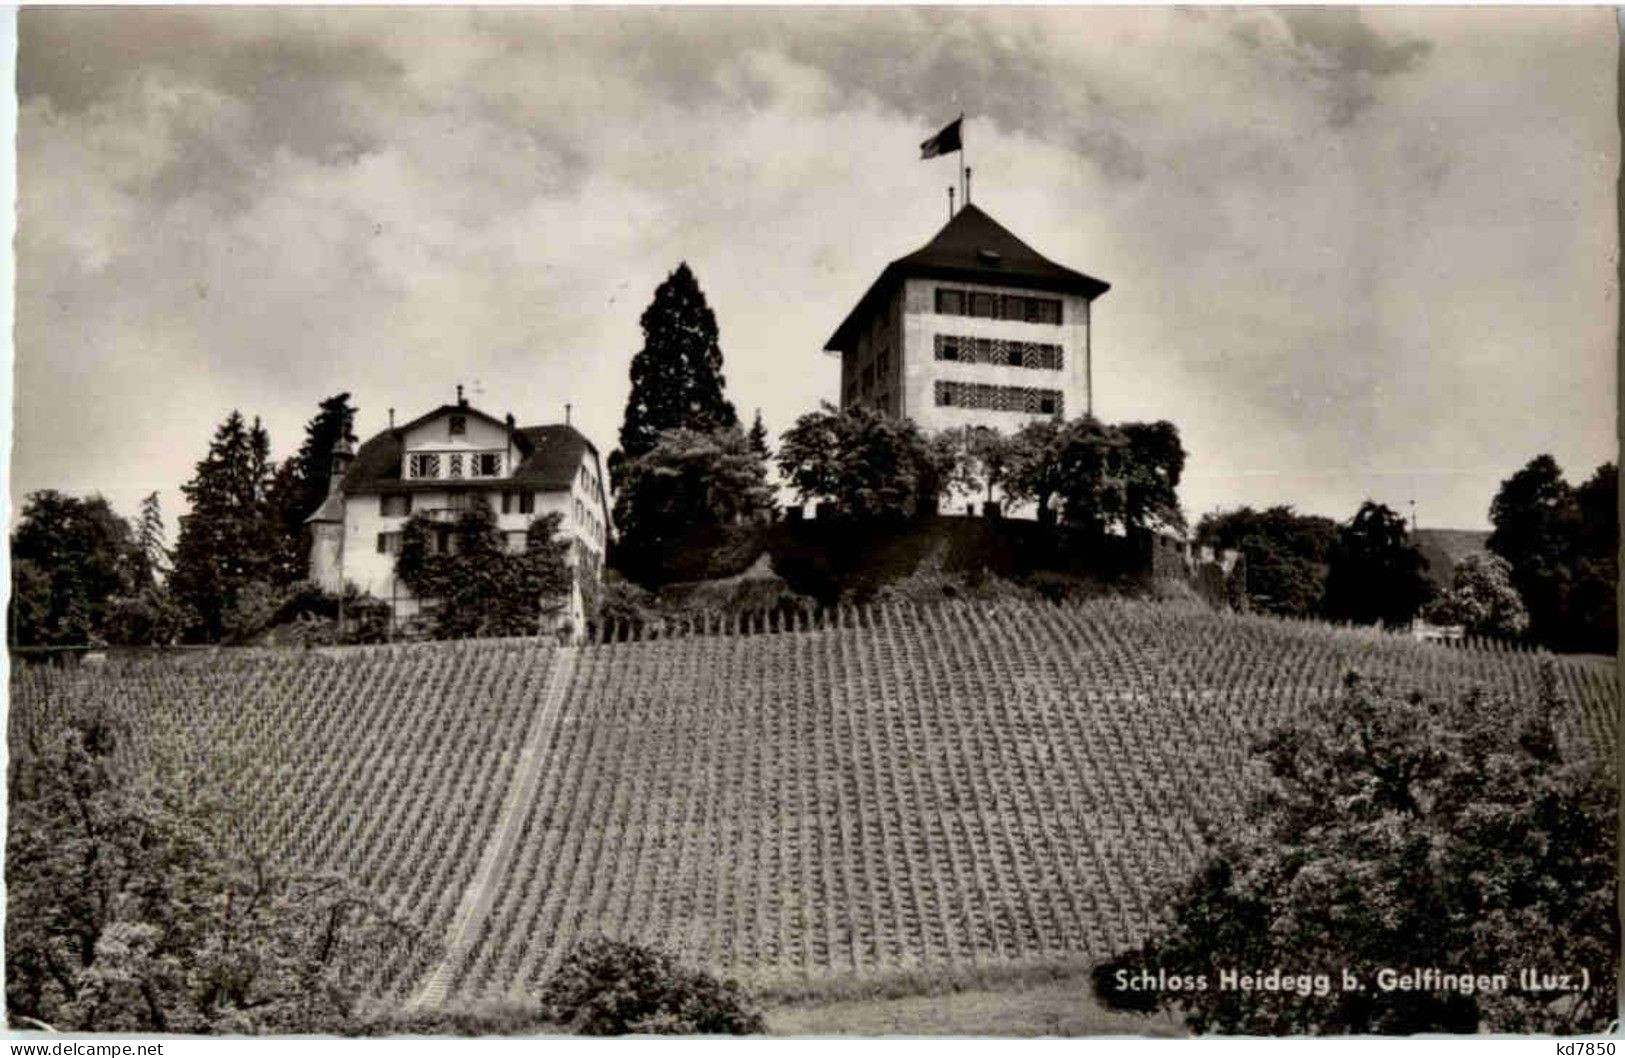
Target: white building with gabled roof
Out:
[441,463]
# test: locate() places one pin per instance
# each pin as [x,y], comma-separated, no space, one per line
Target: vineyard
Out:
[881,790]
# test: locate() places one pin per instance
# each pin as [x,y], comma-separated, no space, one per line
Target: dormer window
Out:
[991,258]
[459,425]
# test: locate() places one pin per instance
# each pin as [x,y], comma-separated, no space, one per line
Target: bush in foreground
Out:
[611,988]
[1401,834]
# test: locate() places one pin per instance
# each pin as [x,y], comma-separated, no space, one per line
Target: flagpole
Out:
[964,184]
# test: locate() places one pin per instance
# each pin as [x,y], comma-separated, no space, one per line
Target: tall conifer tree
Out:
[228,539]
[677,378]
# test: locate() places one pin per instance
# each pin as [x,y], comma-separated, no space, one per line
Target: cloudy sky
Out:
[1352,253]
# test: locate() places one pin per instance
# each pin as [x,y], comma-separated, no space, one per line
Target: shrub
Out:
[611,988]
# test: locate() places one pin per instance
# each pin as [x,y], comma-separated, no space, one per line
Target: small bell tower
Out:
[327,523]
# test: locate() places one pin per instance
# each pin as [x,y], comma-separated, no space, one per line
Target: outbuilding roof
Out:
[970,248]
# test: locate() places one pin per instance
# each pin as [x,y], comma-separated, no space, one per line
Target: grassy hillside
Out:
[901,790]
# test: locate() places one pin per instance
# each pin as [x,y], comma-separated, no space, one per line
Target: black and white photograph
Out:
[788,521]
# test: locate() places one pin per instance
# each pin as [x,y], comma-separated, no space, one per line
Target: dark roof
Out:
[1445,548]
[970,248]
[549,456]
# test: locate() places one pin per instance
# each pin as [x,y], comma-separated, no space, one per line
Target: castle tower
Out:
[976,328]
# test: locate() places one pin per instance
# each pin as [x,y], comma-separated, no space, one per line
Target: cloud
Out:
[1348,58]
[1315,229]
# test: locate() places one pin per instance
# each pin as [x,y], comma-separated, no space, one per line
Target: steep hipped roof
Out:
[548,455]
[970,248]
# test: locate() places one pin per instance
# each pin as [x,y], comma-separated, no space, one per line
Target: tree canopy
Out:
[71,560]
[1098,477]
[1286,553]
[129,909]
[1563,546]
[677,380]
[1404,833]
[1482,599]
[868,465]
[1374,572]
[688,481]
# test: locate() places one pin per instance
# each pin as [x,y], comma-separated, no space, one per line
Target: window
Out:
[457,501]
[527,503]
[981,396]
[454,465]
[395,504]
[950,302]
[389,543]
[985,306]
[488,464]
[423,465]
[443,541]
[459,425]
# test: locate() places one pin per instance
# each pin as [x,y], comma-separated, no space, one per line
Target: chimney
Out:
[509,420]
[392,418]
[567,413]
[462,402]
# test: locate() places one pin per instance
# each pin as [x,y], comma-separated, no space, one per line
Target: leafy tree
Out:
[1535,522]
[128,910]
[611,988]
[150,617]
[478,587]
[677,378]
[70,559]
[1593,604]
[1375,573]
[230,537]
[688,481]
[1286,553]
[1482,598]
[1402,832]
[1034,467]
[972,458]
[1098,477]
[869,465]
[1156,462]
[1094,463]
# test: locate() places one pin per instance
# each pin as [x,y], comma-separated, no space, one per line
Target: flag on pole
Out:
[945,142]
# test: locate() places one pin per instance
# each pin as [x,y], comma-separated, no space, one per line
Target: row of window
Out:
[998,351]
[998,306]
[444,541]
[399,504]
[985,397]
[454,465]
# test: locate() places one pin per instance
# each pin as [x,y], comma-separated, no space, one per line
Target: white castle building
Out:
[441,463]
[976,328]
